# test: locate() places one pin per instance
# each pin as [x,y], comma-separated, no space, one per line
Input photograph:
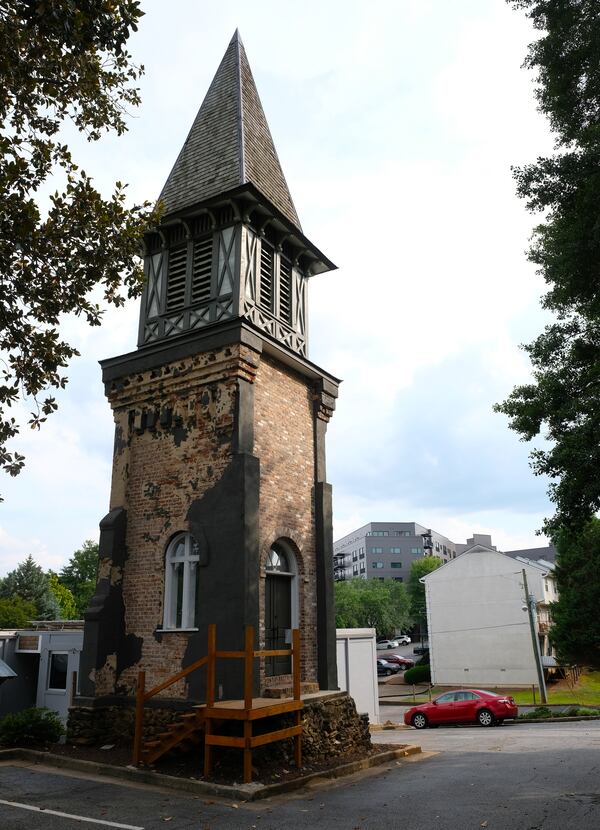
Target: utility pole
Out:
[530,602]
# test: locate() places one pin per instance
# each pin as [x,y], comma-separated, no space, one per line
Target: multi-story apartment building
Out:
[386,550]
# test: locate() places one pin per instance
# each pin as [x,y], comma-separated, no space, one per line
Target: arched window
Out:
[277,560]
[181,583]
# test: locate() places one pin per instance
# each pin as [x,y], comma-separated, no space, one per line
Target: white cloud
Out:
[396,125]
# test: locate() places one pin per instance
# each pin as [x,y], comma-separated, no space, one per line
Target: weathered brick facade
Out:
[284,442]
[177,432]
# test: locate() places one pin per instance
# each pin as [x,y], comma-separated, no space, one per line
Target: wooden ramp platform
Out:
[209,716]
[238,710]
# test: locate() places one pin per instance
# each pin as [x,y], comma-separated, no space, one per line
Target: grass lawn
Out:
[585,693]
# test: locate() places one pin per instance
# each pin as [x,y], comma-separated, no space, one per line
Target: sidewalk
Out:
[393,690]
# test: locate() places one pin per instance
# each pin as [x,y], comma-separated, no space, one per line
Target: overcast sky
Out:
[396,124]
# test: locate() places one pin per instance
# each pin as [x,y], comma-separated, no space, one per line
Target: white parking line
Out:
[68,815]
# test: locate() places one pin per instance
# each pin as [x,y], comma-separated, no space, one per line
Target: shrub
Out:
[418,674]
[538,712]
[581,711]
[572,712]
[30,727]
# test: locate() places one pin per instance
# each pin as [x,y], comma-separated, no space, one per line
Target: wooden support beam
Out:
[296,662]
[277,735]
[248,666]
[298,740]
[247,751]
[211,668]
[225,740]
[207,748]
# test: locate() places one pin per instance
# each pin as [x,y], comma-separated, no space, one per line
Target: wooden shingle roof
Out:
[229,144]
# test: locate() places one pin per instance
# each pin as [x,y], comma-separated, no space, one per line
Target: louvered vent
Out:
[202,223]
[202,270]
[176,279]
[266,275]
[285,290]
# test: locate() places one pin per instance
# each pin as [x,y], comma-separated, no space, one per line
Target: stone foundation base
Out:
[332,726]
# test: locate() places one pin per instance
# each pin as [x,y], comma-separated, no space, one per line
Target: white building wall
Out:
[479,634]
[357,668]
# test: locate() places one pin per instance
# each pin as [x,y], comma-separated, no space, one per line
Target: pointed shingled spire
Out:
[229,144]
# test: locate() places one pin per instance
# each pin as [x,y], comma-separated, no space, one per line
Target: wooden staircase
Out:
[182,735]
[202,722]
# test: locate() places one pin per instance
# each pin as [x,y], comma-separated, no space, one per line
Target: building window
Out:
[416,550]
[405,533]
[361,554]
[377,564]
[376,550]
[398,579]
[181,583]
[354,570]
[395,564]
[395,550]
[354,556]
[362,569]
[57,671]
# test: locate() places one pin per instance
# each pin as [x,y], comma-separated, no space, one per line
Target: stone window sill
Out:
[174,630]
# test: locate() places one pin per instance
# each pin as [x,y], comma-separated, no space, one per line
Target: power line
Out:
[478,628]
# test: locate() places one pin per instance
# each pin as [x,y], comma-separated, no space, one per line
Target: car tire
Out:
[419,720]
[388,672]
[485,718]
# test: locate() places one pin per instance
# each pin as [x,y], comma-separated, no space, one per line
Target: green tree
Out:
[29,582]
[60,61]
[562,402]
[16,612]
[370,603]
[416,590]
[64,598]
[575,628]
[79,575]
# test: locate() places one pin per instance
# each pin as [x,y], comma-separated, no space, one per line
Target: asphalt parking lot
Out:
[514,777]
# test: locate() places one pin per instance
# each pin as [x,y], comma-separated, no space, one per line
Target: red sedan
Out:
[465,706]
[403,662]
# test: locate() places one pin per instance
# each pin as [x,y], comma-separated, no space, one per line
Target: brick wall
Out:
[284,442]
[174,429]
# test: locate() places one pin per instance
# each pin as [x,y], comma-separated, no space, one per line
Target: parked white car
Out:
[404,639]
[388,644]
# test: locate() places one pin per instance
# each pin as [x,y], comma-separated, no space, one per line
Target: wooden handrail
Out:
[183,673]
[209,660]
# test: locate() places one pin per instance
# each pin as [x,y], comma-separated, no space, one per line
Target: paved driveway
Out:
[532,777]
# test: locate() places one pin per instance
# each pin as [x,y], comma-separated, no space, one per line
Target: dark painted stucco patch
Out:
[104,629]
[225,523]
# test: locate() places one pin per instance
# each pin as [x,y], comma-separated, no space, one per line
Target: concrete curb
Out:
[556,720]
[241,792]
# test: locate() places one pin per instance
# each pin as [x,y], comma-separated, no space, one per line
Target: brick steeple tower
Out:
[219,511]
